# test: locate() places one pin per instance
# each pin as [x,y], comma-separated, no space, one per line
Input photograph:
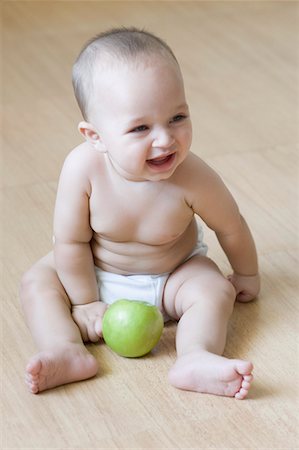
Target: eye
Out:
[178,118]
[139,129]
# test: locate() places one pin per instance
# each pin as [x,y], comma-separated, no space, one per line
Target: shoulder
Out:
[83,156]
[195,173]
[204,189]
[83,159]
[81,163]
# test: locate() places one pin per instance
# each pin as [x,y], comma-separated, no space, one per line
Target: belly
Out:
[141,258]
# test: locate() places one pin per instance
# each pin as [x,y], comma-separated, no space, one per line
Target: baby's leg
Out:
[203,300]
[62,357]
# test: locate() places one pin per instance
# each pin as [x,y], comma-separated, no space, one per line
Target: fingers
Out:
[87,331]
[98,327]
[88,318]
[92,334]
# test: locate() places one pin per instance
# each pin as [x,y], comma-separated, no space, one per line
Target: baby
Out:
[125,225]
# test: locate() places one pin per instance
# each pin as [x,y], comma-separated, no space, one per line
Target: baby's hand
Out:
[247,286]
[88,317]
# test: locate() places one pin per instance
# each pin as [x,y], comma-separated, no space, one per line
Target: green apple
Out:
[132,328]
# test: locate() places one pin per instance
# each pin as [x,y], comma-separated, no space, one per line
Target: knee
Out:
[41,282]
[32,284]
[27,285]
[226,294]
[217,292]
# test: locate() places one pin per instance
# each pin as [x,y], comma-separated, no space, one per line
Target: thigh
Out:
[201,275]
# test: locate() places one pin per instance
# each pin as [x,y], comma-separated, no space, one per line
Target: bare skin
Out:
[62,357]
[197,372]
[61,365]
[199,366]
[131,210]
[195,365]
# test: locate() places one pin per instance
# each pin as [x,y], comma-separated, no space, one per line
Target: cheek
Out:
[136,149]
[186,137]
[130,154]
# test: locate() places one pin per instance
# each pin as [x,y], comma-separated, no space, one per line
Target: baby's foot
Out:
[212,374]
[88,317]
[58,366]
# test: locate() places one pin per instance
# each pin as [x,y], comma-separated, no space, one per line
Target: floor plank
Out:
[240,64]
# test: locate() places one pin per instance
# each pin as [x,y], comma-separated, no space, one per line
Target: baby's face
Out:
[142,118]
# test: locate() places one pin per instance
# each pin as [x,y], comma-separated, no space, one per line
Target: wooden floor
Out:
[240,61]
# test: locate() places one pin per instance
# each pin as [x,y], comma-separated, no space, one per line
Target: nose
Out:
[163,138]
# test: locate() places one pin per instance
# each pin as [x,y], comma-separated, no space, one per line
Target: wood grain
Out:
[240,64]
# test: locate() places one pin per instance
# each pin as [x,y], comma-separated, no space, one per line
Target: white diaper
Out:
[148,288]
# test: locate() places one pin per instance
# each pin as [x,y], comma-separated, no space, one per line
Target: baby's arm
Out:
[72,232]
[239,247]
[216,206]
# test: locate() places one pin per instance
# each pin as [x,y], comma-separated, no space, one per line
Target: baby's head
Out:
[131,93]
[114,49]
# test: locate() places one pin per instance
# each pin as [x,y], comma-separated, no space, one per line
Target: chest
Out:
[143,212]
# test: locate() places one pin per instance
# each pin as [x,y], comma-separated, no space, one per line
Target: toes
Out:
[243,392]
[30,380]
[245,385]
[32,375]
[33,388]
[244,368]
[244,388]
[32,384]
[33,367]
[248,378]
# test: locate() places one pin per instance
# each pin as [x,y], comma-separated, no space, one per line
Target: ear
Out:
[91,135]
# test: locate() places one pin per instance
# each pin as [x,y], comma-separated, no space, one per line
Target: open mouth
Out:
[162,161]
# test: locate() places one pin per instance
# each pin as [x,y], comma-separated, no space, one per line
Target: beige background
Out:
[240,64]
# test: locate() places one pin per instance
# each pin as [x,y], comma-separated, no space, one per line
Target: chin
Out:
[161,176]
